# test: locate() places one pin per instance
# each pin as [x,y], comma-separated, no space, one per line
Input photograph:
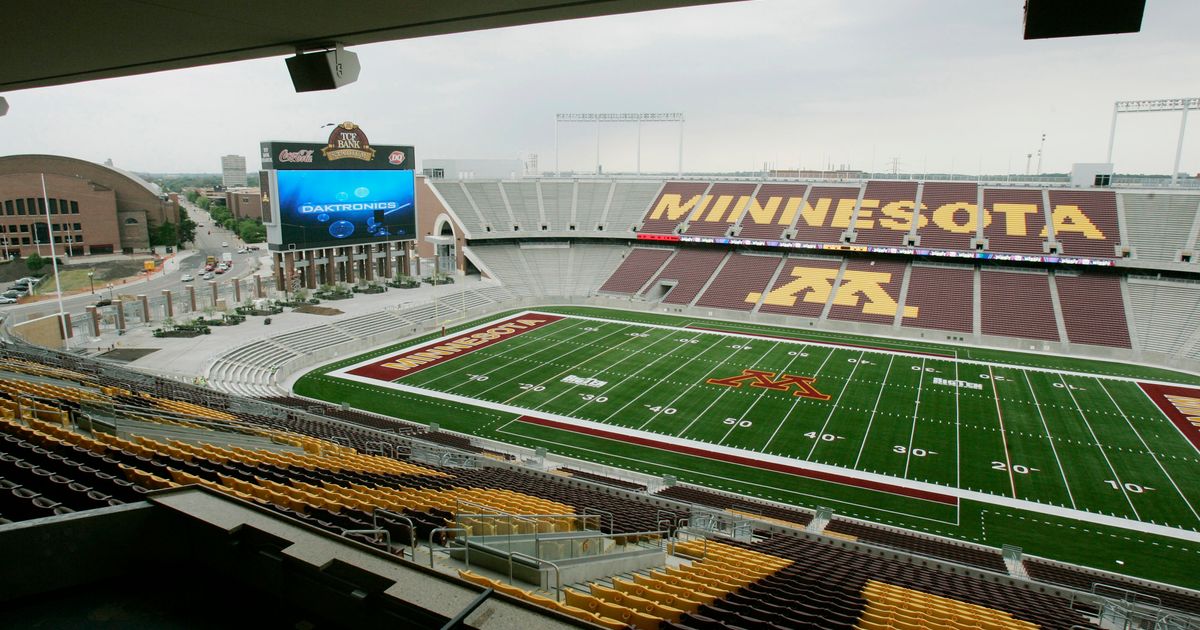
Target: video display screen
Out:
[335,208]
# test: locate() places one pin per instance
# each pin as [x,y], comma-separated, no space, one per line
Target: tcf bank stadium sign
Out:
[346,149]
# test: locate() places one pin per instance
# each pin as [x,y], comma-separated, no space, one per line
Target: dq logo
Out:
[813,284]
[765,380]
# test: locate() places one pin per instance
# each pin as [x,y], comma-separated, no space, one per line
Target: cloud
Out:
[939,84]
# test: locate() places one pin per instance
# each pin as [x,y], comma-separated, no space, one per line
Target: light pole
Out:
[92,281]
[110,292]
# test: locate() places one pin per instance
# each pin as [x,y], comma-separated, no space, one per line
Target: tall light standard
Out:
[92,281]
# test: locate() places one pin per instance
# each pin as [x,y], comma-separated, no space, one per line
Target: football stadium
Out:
[682,401]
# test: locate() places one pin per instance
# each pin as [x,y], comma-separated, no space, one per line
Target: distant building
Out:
[244,203]
[792,173]
[233,171]
[94,209]
[473,169]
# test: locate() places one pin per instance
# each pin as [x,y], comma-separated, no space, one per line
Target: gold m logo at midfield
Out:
[766,380]
[813,284]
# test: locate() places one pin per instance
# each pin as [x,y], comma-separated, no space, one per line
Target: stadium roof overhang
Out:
[44,44]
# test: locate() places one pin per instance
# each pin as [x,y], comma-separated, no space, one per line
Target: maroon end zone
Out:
[416,359]
[822,343]
[748,461]
[1181,405]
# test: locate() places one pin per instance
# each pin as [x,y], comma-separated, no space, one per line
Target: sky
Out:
[919,86]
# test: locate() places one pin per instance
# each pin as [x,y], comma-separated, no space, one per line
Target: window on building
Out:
[9,208]
[74,207]
[41,205]
[53,206]
[130,221]
[77,226]
[25,227]
[24,240]
[21,207]
[78,238]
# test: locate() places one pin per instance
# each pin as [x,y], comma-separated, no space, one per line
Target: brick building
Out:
[94,209]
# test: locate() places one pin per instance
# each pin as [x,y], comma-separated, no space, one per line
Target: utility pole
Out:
[1040,146]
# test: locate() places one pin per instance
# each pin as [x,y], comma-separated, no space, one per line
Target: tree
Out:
[163,234]
[252,231]
[35,263]
[187,229]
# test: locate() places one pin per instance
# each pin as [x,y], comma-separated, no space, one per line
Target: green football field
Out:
[993,447]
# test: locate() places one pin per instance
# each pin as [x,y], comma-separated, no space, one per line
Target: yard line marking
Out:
[683,393]
[550,331]
[795,355]
[916,408]
[957,443]
[542,365]
[622,381]
[878,397]
[1049,438]
[1099,447]
[724,391]
[559,374]
[832,410]
[1003,435]
[1147,447]
[663,379]
[796,402]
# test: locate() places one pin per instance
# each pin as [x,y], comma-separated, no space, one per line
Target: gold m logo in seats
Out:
[766,380]
[813,284]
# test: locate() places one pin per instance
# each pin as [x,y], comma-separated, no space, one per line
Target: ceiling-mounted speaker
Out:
[323,70]
[1046,19]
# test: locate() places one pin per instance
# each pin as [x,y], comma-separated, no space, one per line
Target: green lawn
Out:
[1083,441]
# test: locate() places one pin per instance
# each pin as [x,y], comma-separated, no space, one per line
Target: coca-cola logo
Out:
[397,157]
[302,155]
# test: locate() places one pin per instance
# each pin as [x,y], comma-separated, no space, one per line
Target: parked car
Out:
[187,277]
[224,244]
[102,302]
[242,250]
[209,276]
[12,294]
[7,300]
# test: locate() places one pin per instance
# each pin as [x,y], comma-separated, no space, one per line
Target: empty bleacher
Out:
[1084,579]
[960,553]
[684,197]
[635,271]
[1160,308]
[1017,229]
[487,197]
[455,196]
[725,205]
[1017,304]
[944,297]
[557,202]
[1100,206]
[894,208]
[958,201]
[739,505]
[888,273]
[1159,223]
[795,304]
[523,201]
[628,206]
[742,275]
[826,202]
[690,269]
[1093,309]
[765,216]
